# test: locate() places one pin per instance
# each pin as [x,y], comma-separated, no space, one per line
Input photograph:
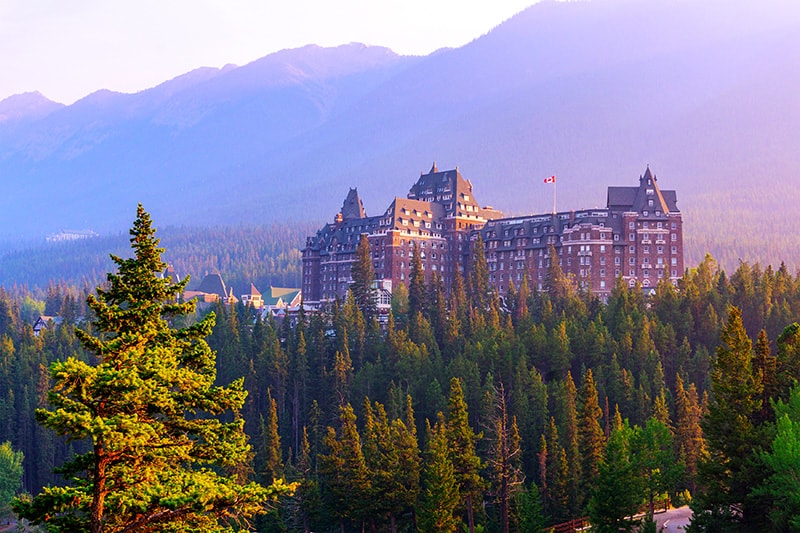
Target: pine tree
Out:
[439,497]
[505,458]
[783,461]
[416,285]
[729,471]
[479,276]
[10,476]
[149,408]
[271,454]
[689,441]
[571,445]
[343,470]
[616,492]
[363,275]
[461,441]
[654,460]
[591,438]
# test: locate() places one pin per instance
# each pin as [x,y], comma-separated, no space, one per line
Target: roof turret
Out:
[352,208]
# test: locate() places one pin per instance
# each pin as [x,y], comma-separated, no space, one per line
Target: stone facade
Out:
[638,236]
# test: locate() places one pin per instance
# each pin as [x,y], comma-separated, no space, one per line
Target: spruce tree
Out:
[439,497]
[689,441]
[732,436]
[416,285]
[461,440]
[150,409]
[479,276]
[10,476]
[505,458]
[363,275]
[616,492]
[591,438]
[343,470]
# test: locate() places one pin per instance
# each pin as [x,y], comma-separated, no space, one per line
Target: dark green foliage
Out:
[733,435]
[617,492]
[647,357]
[782,459]
[440,495]
[10,476]
[149,409]
[363,275]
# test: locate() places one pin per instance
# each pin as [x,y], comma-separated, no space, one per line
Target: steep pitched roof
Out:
[404,213]
[353,208]
[254,291]
[646,197]
[213,284]
[451,190]
[282,296]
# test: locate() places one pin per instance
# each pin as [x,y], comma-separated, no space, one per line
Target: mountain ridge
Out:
[592,91]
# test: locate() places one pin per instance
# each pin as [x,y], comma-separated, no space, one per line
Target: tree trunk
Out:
[99,489]
[470,515]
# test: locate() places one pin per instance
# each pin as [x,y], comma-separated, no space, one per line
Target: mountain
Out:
[704,91]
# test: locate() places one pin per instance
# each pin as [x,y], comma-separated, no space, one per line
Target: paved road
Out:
[674,520]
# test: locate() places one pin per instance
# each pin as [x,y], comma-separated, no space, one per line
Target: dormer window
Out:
[644,213]
[650,192]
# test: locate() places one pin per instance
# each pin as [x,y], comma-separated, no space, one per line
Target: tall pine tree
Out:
[149,407]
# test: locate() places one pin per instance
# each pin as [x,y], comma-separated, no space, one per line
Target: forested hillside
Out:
[264,255]
[466,410]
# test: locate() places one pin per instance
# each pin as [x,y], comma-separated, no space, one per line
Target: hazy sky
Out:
[68,49]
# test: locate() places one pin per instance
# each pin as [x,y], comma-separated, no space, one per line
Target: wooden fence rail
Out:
[578,524]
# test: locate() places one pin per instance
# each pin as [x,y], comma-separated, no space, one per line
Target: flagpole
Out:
[555,184]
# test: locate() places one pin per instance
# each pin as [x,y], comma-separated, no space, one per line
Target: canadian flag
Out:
[551,179]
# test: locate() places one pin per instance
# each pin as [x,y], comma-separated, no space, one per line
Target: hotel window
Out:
[631,236]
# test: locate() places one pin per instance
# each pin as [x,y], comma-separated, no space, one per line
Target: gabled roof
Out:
[637,199]
[451,190]
[406,213]
[213,284]
[344,235]
[282,297]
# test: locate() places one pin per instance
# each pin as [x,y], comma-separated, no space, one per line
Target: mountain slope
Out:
[702,90]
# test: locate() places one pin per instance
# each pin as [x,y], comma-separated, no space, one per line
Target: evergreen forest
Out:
[467,412]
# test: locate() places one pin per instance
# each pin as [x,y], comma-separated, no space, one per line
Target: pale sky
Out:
[66,49]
